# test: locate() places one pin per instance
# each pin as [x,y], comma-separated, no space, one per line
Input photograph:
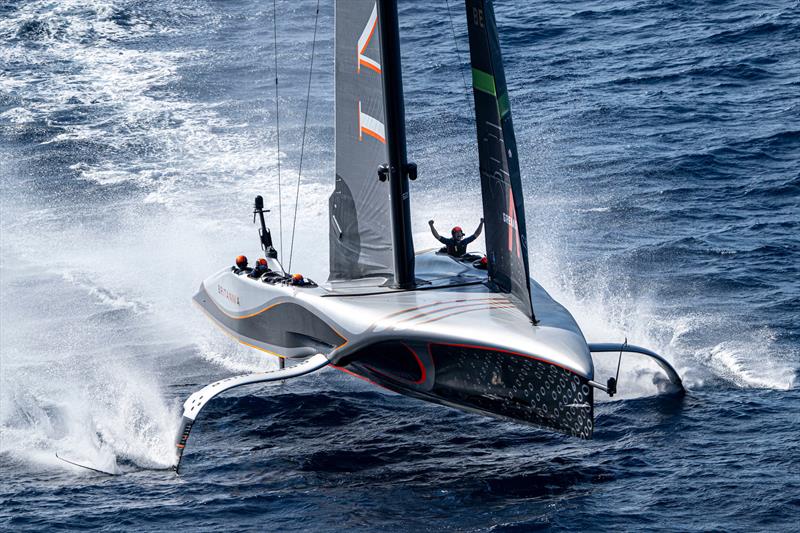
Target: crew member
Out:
[457,245]
[260,269]
[241,265]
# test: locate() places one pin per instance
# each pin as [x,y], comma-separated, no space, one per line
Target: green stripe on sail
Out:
[483,81]
[503,106]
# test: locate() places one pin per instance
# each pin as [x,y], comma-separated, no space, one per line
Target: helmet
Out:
[241,261]
[262,262]
[484,260]
[456,229]
[297,279]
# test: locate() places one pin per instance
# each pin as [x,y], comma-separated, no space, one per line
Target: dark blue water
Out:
[659,142]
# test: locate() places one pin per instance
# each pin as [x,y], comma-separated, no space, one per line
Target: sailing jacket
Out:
[457,248]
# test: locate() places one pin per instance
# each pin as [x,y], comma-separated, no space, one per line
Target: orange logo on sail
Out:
[370,125]
[367,124]
[363,42]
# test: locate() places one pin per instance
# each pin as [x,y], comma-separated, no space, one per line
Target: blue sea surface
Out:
[659,143]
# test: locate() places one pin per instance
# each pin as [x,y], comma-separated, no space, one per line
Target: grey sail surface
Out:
[360,231]
[501,187]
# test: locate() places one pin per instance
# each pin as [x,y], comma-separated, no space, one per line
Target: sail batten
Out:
[501,186]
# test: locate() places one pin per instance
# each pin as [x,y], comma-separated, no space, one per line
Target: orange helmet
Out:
[241,261]
[297,278]
[262,262]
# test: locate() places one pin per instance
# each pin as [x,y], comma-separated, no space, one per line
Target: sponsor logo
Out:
[509,220]
[363,42]
[368,124]
[228,295]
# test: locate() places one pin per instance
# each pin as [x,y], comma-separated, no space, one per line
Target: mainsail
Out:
[360,227]
[503,203]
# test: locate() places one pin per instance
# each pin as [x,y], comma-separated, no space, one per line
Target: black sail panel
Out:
[360,231]
[501,187]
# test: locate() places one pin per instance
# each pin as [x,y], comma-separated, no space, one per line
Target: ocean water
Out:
[659,144]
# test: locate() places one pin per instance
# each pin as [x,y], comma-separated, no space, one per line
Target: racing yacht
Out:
[472,333]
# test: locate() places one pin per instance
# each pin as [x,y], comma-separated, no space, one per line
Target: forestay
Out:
[503,202]
[360,231]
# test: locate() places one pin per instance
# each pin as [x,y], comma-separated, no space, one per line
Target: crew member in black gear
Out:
[260,269]
[241,265]
[457,245]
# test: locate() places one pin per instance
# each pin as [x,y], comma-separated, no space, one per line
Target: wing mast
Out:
[501,186]
[398,167]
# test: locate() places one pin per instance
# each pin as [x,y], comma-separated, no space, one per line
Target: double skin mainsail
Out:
[360,235]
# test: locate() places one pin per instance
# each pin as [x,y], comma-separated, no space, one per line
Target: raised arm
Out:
[478,231]
[435,233]
[475,235]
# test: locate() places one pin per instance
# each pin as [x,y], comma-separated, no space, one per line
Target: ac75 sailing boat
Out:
[487,340]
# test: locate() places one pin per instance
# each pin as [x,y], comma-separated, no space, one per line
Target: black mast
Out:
[398,167]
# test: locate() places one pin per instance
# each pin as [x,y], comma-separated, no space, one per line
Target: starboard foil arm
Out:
[195,403]
[613,347]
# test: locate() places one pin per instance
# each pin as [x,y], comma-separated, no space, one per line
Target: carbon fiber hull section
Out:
[497,383]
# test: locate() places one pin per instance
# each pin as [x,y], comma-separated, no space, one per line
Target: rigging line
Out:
[619,361]
[277,120]
[303,142]
[458,52]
